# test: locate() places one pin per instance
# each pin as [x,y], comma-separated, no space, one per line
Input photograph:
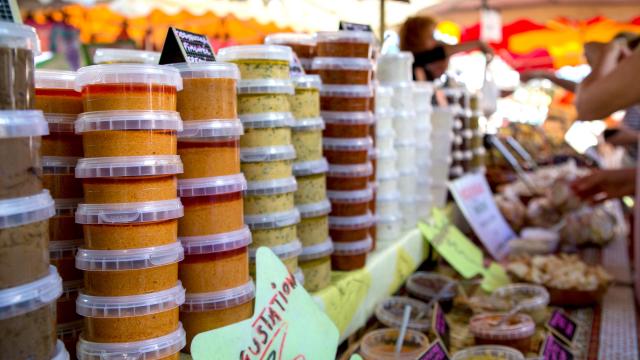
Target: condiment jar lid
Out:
[70,288]
[60,249]
[353,247]
[268,153]
[128,74]
[350,36]
[210,129]
[257,52]
[219,300]
[156,348]
[22,123]
[265,86]
[73,328]
[347,144]
[128,120]
[485,326]
[55,79]
[61,352]
[350,196]
[133,56]
[498,351]
[307,82]
[311,167]
[59,164]
[426,285]
[350,171]
[392,197]
[129,259]
[19,36]
[537,295]
[388,175]
[129,213]
[351,222]
[61,123]
[408,172]
[388,218]
[123,166]
[66,206]
[308,124]
[131,305]
[26,209]
[290,38]
[341,63]
[384,90]
[390,311]
[284,251]
[315,209]
[215,243]
[404,115]
[348,117]
[271,187]
[267,120]
[402,143]
[208,70]
[316,251]
[25,298]
[217,185]
[348,91]
[272,220]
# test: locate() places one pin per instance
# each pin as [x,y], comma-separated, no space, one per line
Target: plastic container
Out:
[409,212]
[258,61]
[66,304]
[407,156]
[386,165]
[129,133]
[426,285]
[267,163]
[347,124]
[313,228]
[516,333]
[69,333]
[384,93]
[62,140]
[114,319]
[348,256]
[533,300]
[388,202]
[223,257]
[128,87]
[61,352]
[402,98]
[488,352]
[349,177]
[212,310]
[343,71]
[311,189]
[350,228]
[315,263]
[347,150]
[211,205]
[384,119]
[408,182]
[404,125]
[345,43]
[201,141]
[387,184]
[303,45]
[55,92]
[264,95]
[274,228]
[129,225]
[390,313]
[380,345]
[269,196]
[388,228]
[346,98]
[62,226]
[422,95]
[209,90]
[305,103]
[307,139]
[439,193]
[423,204]
[350,203]
[58,176]
[288,253]
[166,347]
[62,254]
[266,129]
[27,318]
[385,140]
[125,56]
[395,68]
[19,45]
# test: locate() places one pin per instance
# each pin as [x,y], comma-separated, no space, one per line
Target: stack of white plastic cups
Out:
[441,142]
[422,93]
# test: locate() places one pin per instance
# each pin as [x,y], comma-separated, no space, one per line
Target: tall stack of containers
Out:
[455,95]
[467,133]
[131,296]
[29,285]
[266,149]
[303,45]
[344,64]
[477,140]
[215,271]
[422,93]
[441,144]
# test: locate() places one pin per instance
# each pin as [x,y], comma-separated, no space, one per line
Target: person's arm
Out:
[539,74]
[624,137]
[601,185]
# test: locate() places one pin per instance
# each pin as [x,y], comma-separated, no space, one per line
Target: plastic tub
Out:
[395,68]
[343,71]
[517,332]
[128,87]
[386,165]
[305,103]
[311,189]
[347,150]
[66,303]
[62,226]
[209,90]
[388,228]
[384,93]
[314,224]
[407,157]
[347,124]
[422,95]
[69,333]
[113,319]
[258,61]
[266,129]
[223,257]
[267,163]
[439,193]
[380,345]
[288,253]
[408,182]
[129,225]
[61,352]
[55,92]
[388,203]
[129,133]
[385,140]
[426,285]
[409,212]
[348,256]
[402,96]
[273,229]
[404,125]
[62,254]
[387,183]
[315,262]
[27,318]
[384,119]
[350,203]
[62,140]
[533,299]
[269,196]
[202,141]
[346,98]
[59,177]
[303,45]
[211,205]
[440,170]
[349,177]
[390,313]
[263,96]
[307,139]
[423,205]
[165,347]
[125,56]
[19,45]
[488,352]
[350,228]
[345,43]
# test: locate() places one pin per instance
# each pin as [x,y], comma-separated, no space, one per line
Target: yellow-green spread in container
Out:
[258,61]
[273,228]
[267,162]
[269,196]
[315,262]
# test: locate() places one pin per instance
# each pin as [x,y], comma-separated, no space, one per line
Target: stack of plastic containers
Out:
[422,93]
[303,45]
[344,64]
[441,144]
[29,286]
[477,140]
[130,256]
[455,97]
[215,271]
[266,149]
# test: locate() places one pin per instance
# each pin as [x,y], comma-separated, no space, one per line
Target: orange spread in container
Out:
[62,144]
[133,328]
[206,215]
[64,227]
[130,282]
[129,189]
[129,143]
[197,322]
[214,272]
[130,96]
[190,100]
[62,186]
[117,237]
[58,101]
[197,158]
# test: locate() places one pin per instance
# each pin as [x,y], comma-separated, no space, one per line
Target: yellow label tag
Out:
[495,276]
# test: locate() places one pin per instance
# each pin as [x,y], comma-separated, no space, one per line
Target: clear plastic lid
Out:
[284,251]
[308,124]
[273,220]
[388,197]
[72,329]
[60,249]
[307,82]
[129,259]
[389,154]
[268,153]
[265,86]
[128,74]
[19,36]
[131,305]
[219,300]
[312,167]
[388,219]
[341,63]
[390,312]
[290,38]
[26,210]
[128,120]
[316,251]
[208,244]
[212,186]
[531,296]
[400,143]
[385,133]
[55,79]
[350,171]
[61,123]
[373,153]
[402,115]
[350,36]
[210,129]
[384,91]
[66,206]
[255,52]
[129,213]
[347,144]
[110,55]
[151,349]
[348,91]
[123,166]
[487,326]
[348,117]
[70,289]
[353,247]
[22,123]
[208,70]
[485,351]
[61,352]
[267,120]
[351,222]
[320,208]
[428,285]
[59,164]
[25,298]
[351,196]
[408,172]
[272,187]
[389,175]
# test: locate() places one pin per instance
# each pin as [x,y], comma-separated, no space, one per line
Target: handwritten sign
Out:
[184,46]
[475,199]
[563,326]
[436,351]
[344,25]
[553,349]
[286,323]
[440,326]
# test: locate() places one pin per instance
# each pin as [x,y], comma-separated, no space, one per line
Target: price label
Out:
[436,351]
[563,326]
[344,25]
[184,46]
[440,326]
[553,349]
